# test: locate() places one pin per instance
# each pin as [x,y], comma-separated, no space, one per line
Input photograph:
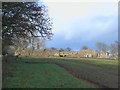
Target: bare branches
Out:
[21,17]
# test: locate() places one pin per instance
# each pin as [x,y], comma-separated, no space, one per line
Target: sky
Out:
[77,23]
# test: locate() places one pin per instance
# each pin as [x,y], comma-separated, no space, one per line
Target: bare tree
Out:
[41,44]
[102,46]
[114,49]
[37,42]
[84,48]
[67,49]
[61,49]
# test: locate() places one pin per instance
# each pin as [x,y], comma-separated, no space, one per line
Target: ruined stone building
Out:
[103,54]
[88,53]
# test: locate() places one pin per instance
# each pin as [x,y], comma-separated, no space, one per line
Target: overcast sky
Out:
[76,24]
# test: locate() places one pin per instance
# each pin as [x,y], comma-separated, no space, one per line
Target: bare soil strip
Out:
[39,62]
[103,87]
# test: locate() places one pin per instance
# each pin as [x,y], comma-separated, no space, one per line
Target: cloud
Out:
[69,36]
[86,31]
[78,24]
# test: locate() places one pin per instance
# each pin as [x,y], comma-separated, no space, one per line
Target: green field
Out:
[54,73]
